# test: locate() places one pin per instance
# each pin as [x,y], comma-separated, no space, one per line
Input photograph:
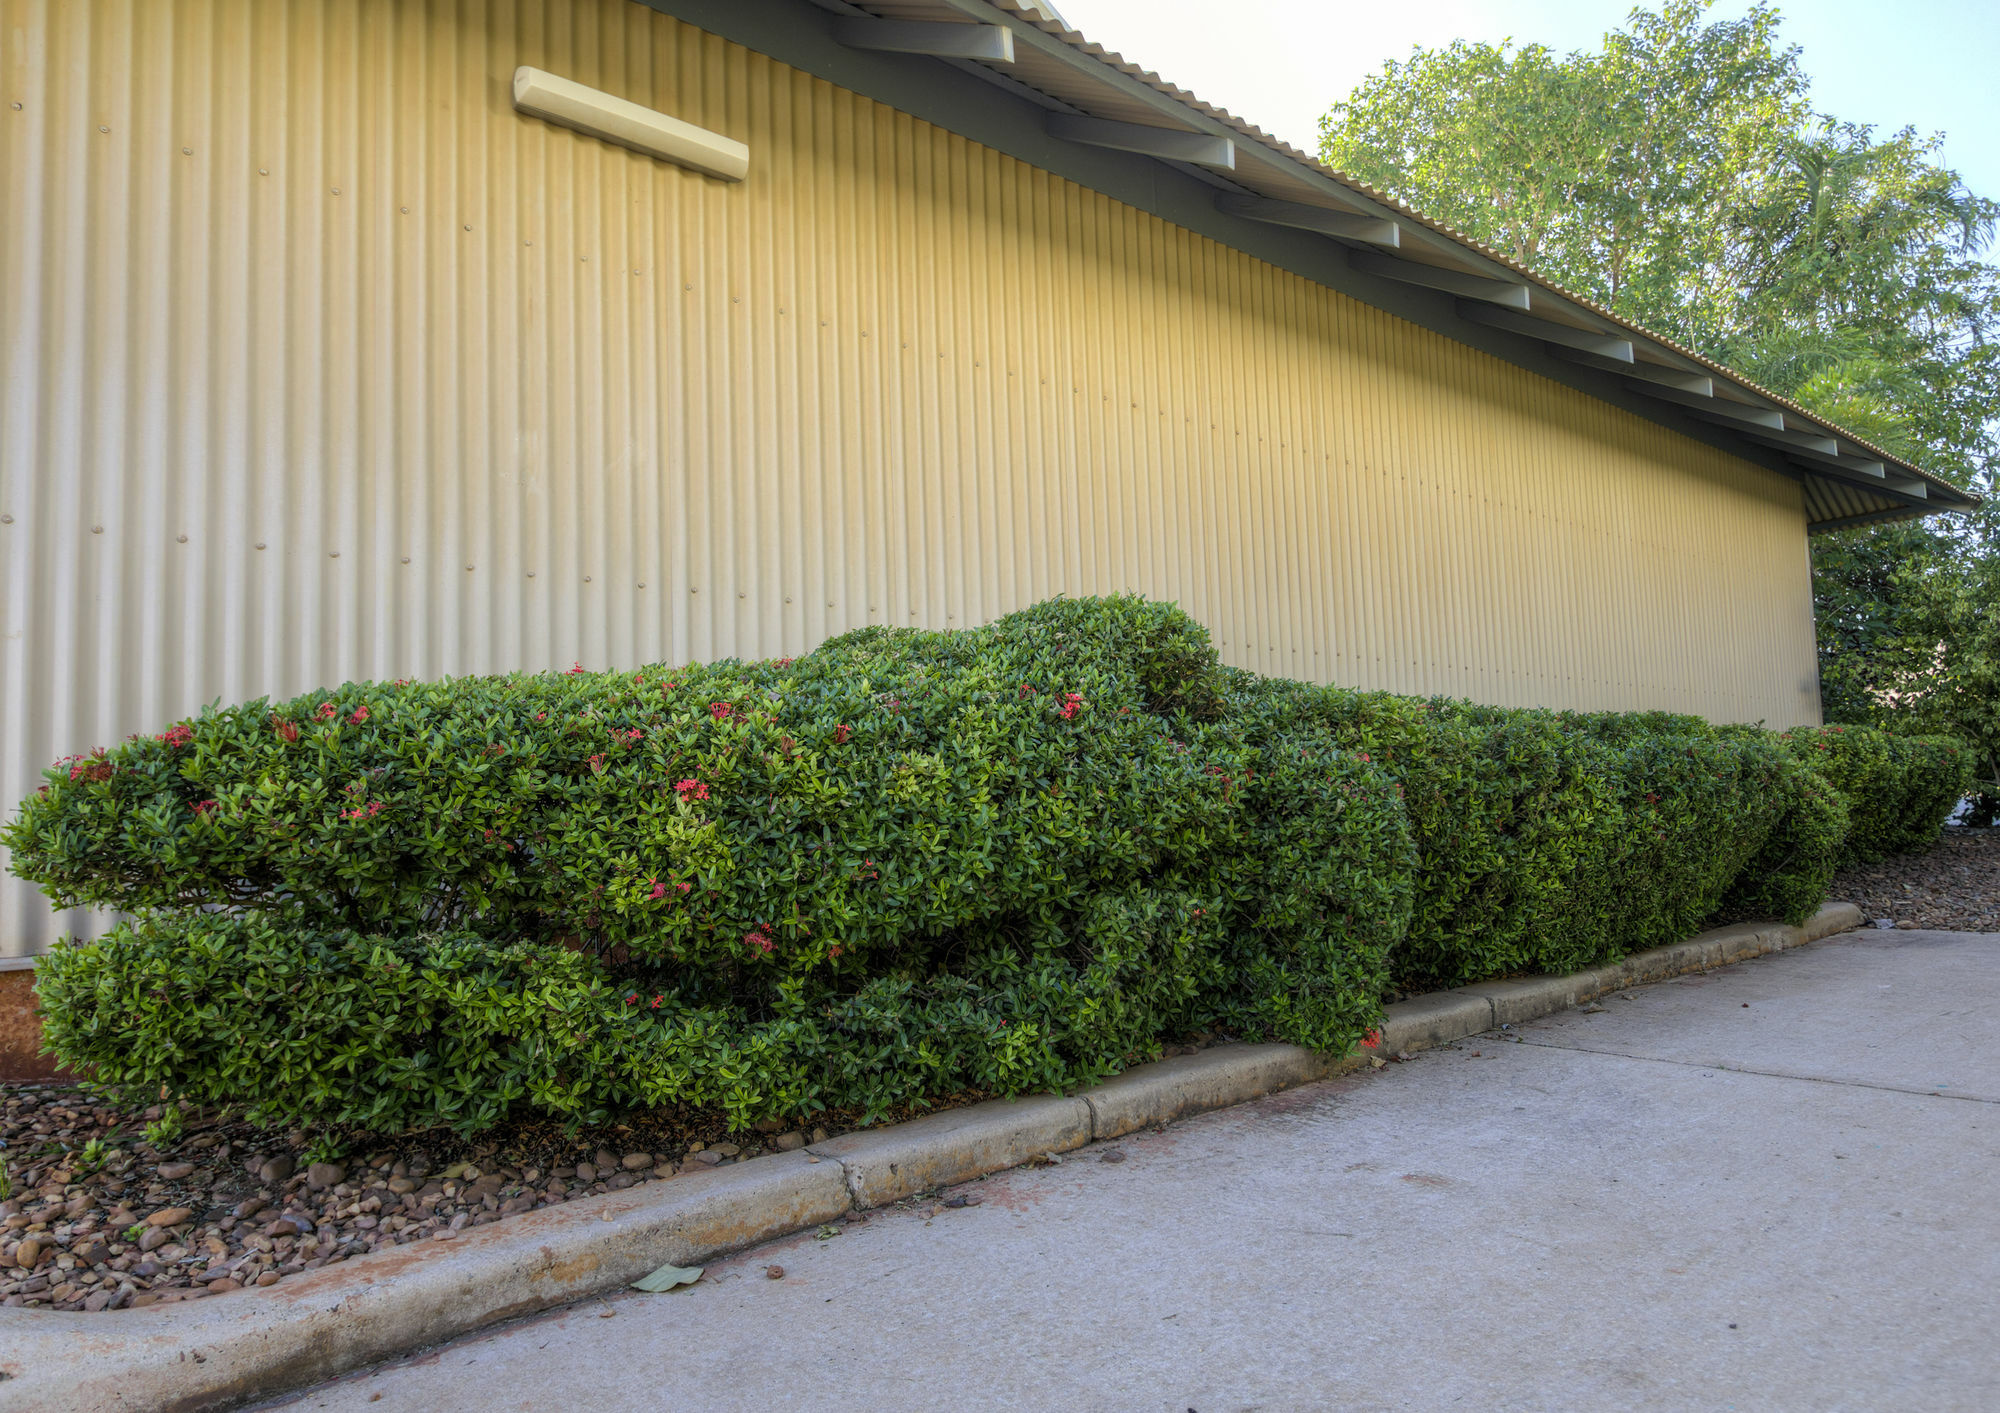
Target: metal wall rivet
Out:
[531,573]
[17,107]
[406,559]
[743,596]
[260,544]
[97,529]
[693,590]
[336,191]
[406,210]
[187,152]
[787,600]
[6,520]
[335,554]
[586,578]
[263,171]
[104,129]
[642,583]
[183,539]
[468,569]
[468,228]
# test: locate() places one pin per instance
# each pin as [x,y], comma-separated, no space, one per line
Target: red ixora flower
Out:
[757,941]
[841,733]
[659,890]
[1371,1039]
[634,734]
[360,715]
[176,735]
[1071,702]
[721,711]
[203,806]
[597,764]
[373,808]
[575,669]
[691,789]
[287,729]
[327,711]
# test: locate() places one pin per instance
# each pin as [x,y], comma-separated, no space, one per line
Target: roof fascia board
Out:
[799,33]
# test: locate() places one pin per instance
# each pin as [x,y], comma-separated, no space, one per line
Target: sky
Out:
[1281,63]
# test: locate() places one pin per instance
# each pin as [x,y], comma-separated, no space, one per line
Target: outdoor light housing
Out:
[591,110]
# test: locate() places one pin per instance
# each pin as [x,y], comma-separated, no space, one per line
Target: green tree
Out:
[1681,176]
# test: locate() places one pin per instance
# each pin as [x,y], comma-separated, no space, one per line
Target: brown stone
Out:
[169,1217]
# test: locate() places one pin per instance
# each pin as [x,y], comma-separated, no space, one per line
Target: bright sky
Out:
[1281,63]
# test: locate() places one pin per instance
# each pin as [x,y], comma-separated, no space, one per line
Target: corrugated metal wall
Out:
[319,362]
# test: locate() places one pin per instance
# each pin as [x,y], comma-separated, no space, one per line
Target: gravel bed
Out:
[223,1204]
[1955,887]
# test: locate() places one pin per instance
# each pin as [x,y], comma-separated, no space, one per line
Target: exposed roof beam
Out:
[1297,214]
[1171,144]
[1502,292]
[1720,408]
[1857,474]
[1800,441]
[1699,384]
[993,43]
[1611,347]
[1859,465]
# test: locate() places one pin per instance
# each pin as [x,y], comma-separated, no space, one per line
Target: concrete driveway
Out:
[1774,1186]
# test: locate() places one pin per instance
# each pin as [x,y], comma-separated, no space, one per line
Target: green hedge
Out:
[1899,789]
[1014,858]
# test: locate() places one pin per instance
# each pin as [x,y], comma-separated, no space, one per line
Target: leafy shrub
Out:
[1550,841]
[1899,789]
[1014,857]
[908,863]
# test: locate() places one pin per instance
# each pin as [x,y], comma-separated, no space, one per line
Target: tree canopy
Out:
[1682,176]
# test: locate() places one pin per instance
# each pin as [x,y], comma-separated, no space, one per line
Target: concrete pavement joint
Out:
[1751,1069]
[215,1354]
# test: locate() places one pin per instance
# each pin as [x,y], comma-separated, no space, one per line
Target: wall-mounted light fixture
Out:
[591,110]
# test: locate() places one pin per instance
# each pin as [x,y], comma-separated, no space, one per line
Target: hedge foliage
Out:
[1899,789]
[1014,858]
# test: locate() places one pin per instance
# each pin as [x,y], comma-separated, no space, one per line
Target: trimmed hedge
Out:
[1012,858]
[1899,789]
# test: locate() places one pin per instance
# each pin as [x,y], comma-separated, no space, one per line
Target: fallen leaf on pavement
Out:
[667,1278]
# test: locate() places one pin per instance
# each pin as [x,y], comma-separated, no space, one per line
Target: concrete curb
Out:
[217,1353]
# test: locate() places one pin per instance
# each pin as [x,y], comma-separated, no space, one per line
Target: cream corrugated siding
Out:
[494,395]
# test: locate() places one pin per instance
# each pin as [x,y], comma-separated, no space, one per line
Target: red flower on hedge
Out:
[327,711]
[1371,1039]
[721,711]
[360,715]
[287,729]
[597,764]
[1071,702]
[575,669]
[203,806]
[841,733]
[659,890]
[758,941]
[691,789]
[176,735]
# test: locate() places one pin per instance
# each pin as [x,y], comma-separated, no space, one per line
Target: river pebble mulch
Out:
[95,1216]
[99,1218]
[1954,887]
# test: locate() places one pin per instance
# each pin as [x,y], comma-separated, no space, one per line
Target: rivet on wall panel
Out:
[187,152]
[6,520]
[406,559]
[335,554]
[531,573]
[336,191]
[586,578]
[97,529]
[183,539]
[260,544]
